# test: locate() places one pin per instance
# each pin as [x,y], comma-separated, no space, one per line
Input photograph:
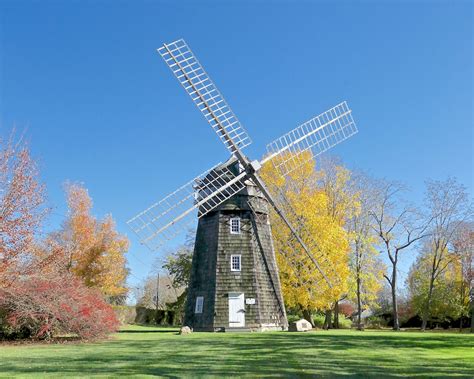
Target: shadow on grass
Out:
[169,331]
[272,354]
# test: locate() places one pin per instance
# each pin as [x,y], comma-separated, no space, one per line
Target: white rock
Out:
[185,330]
[300,326]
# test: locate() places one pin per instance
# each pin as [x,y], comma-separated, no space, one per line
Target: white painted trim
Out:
[230,226]
[199,304]
[236,316]
[231,262]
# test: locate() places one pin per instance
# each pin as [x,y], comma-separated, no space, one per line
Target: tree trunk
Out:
[336,315]
[308,317]
[359,305]
[327,320]
[157,300]
[424,321]
[393,284]
[472,309]
[427,311]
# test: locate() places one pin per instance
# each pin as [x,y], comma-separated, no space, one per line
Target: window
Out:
[235,225]
[235,262]
[199,302]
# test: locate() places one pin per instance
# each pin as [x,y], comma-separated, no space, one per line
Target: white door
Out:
[236,310]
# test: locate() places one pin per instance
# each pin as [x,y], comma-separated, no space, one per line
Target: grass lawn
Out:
[147,351]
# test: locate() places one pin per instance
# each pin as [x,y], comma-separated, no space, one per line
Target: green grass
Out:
[142,351]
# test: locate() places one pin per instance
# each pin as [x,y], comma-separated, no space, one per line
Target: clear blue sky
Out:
[102,108]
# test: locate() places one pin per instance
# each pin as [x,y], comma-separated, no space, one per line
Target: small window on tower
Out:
[235,225]
[199,303]
[235,262]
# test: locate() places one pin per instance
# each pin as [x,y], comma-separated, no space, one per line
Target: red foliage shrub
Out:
[41,307]
[347,309]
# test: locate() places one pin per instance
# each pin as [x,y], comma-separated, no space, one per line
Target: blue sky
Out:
[101,107]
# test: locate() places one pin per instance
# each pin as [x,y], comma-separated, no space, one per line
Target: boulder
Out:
[300,326]
[185,330]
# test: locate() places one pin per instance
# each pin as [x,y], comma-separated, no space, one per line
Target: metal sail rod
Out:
[256,179]
[197,205]
[228,139]
[311,139]
[295,142]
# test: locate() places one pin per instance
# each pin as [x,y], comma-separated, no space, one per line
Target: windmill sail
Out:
[314,136]
[189,72]
[168,217]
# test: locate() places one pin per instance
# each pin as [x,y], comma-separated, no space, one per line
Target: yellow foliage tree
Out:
[367,269]
[318,204]
[446,300]
[95,251]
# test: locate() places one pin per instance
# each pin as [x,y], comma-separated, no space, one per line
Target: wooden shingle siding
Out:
[211,275]
[203,279]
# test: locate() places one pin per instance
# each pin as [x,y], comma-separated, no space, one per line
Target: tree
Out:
[316,203]
[178,265]
[158,291]
[38,296]
[444,302]
[366,275]
[21,208]
[463,251]
[448,208]
[397,229]
[343,204]
[48,300]
[95,251]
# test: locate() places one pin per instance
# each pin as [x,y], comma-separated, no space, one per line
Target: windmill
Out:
[234,281]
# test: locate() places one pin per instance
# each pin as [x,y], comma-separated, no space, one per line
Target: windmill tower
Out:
[234,279]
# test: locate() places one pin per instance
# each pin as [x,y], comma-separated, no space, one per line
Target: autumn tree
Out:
[38,297]
[463,252]
[312,202]
[343,204]
[444,302]
[95,251]
[397,227]
[448,208]
[366,267]
[21,207]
